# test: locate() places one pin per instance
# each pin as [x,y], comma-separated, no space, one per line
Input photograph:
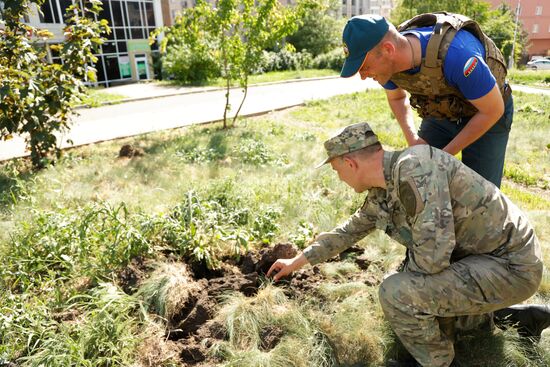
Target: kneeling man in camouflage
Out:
[471,251]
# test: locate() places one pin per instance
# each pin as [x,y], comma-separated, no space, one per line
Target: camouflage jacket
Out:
[440,210]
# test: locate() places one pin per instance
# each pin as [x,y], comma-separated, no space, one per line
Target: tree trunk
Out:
[245,89]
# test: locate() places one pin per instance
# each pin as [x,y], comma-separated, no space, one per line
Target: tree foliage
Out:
[475,9]
[498,24]
[188,47]
[38,98]
[226,40]
[500,28]
[321,29]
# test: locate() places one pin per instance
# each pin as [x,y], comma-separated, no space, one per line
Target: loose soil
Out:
[193,328]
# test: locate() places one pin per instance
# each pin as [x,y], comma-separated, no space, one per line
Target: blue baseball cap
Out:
[361,34]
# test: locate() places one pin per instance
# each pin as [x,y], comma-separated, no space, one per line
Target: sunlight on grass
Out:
[524,199]
[202,193]
[354,327]
[270,312]
[538,78]
[98,97]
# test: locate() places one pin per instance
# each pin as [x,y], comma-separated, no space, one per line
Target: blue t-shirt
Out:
[464,67]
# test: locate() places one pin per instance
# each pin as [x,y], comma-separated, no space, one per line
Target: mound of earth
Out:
[192,330]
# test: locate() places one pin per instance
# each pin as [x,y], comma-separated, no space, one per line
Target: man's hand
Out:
[283,267]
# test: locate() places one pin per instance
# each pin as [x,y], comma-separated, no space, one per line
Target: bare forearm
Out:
[403,113]
[490,110]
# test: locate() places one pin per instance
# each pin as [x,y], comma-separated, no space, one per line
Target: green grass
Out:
[528,152]
[533,78]
[270,77]
[200,193]
[97,97]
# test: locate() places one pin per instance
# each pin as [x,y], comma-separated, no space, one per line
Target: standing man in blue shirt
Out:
[456,78]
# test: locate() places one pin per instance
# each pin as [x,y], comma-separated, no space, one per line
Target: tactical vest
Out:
[431,95]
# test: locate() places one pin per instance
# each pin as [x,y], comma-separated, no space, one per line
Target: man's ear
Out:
[350,162]
[387,47]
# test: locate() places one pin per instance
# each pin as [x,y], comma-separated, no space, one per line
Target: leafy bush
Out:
[284,60]
[190,65]
[320,30]
[303,235]
[38,98]
[331,60]
[255,152]
[265,225]
[204,229]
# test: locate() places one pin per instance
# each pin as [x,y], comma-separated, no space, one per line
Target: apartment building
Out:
[351,8]
[126,56]
[534,15]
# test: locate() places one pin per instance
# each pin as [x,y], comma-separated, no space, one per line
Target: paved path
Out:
[179,107]
[195,106]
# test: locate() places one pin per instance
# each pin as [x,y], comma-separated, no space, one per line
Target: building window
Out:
[134,14]
[53,11]
[49,12]
[535,28]
[538,10]
[150,15]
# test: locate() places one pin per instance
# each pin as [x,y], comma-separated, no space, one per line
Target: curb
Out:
[203,90]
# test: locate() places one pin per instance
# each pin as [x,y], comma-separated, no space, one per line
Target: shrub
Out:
[191,65]
[255,152]
[38,98]
[320,30]
[204,229]
[284,60]
[331,60]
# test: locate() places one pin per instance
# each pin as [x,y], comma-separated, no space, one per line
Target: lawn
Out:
[145,261]
[533,78]
[96,97]
[270,77]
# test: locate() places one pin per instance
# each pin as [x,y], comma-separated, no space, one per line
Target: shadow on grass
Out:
[217,142]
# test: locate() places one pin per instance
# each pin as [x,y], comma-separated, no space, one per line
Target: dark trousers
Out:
[485,155]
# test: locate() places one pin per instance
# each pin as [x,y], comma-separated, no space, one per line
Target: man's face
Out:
[347,172]
[377,65]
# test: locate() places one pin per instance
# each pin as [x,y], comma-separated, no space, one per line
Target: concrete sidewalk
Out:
[147,90]
[153,107]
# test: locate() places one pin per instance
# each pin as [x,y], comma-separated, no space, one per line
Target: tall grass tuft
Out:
[295,341]
[56,246]
[354,326]
[105,331]
[167,290]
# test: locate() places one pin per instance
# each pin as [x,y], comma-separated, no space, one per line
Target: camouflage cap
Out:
[349,139]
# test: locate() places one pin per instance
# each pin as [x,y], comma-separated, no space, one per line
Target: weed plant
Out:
[97,329]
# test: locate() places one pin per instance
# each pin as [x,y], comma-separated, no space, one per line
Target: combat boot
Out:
[528,320]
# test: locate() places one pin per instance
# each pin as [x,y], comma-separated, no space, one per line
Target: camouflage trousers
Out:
[423,308]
